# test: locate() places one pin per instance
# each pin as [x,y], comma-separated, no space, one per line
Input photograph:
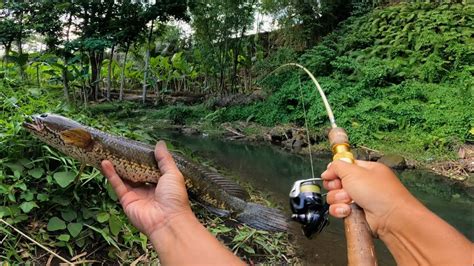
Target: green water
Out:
[273,171]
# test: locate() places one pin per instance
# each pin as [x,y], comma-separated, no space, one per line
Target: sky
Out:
[262,23]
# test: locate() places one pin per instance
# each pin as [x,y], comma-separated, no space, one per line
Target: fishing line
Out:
[307,129]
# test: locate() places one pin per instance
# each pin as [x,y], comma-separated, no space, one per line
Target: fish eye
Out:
[44,115]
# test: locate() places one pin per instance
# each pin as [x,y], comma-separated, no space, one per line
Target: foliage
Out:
[396,77]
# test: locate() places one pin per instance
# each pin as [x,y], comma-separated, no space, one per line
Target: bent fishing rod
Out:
[306,199]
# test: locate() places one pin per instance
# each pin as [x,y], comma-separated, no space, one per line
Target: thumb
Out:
[164,159]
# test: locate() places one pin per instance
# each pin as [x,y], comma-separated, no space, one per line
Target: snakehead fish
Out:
[135,161]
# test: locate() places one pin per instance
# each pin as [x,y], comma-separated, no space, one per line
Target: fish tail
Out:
[263,218]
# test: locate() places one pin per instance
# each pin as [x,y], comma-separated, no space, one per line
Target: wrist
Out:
[399,213]
[170,228]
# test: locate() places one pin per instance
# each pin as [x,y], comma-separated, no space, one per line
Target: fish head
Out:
[49,124]
[58,131]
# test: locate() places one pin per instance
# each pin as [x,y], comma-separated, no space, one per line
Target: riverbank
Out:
[294,139]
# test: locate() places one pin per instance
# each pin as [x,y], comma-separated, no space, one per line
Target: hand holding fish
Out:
[413,234]
[163,213]
[150,207]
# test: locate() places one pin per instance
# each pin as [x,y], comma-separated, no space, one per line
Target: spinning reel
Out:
[308,206]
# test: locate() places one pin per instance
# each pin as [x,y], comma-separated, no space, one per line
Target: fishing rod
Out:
[306,199]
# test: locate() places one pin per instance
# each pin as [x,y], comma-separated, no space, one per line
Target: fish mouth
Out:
[33,123]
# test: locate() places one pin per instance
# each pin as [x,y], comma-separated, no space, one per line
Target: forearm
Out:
[414,235]
[185,241]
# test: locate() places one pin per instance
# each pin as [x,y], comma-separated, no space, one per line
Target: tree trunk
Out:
[65,82]
[95,59]
[20,54]
[93,66]
[147,59]
[109,72]
[84,89]
[122,79]
[99,58]
[38,77]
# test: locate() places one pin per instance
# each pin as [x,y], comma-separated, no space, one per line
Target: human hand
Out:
[150,207]
[373,186]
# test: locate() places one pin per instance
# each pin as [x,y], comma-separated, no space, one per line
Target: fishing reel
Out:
[308,206]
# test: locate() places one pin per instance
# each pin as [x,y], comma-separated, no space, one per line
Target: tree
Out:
[219,29]
[161,11]
[305,22]
[16,25]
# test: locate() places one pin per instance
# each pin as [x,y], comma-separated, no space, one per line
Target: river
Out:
[273,171]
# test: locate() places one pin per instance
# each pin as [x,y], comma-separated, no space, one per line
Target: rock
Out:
[393,161]
[298,145]
[287,144]
[360,154]
[374,156]
[278,135]
[190,131]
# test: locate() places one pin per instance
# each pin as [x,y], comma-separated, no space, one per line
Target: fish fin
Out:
[78,137]
[216,211]
[228,186]
[263,218]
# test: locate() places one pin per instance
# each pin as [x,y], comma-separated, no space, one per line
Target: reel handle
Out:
[360,245]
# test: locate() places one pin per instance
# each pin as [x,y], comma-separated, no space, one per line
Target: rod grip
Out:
[360,244]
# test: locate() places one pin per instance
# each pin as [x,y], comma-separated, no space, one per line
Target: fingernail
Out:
[342,211]
[322,174]
[331,184]
[161,144]
[329,164]
[340,196]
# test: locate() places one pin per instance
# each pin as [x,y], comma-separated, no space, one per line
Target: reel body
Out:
[308,206]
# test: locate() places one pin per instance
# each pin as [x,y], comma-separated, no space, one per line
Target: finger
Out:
[339,210]
[115,181]
[332,184]
[164,159]
[338,196]
[341,169]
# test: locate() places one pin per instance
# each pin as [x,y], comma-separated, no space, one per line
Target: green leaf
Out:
[27,206]
[69,215]
[56,224]
[74,229]
[15,167]
[115,225]
[42,197]
[36,172]
[64,237]
[26,163]
[103,217]
[111,192]
[64,178]
[249,249]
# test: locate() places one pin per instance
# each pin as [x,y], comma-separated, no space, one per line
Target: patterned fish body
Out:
[135,161]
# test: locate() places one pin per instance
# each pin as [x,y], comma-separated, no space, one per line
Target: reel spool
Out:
[308,206]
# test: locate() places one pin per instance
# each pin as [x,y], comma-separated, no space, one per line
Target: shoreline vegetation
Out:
[458,167]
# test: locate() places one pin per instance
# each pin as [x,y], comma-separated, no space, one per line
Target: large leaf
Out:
[115,225]
[27,206]
[74,229]
[36,172]
[103,217]
[64,178]
[56,224]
